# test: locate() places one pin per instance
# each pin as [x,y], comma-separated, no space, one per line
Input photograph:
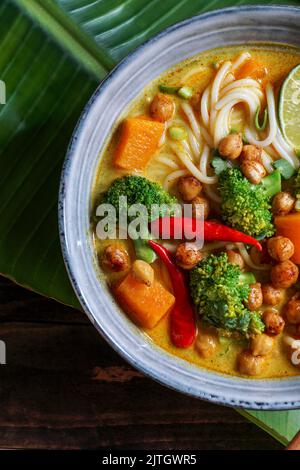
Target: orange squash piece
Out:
[289,226]
[138,142]
[145,305]
[252,68]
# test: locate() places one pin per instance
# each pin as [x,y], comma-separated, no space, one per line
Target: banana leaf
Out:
[53,55]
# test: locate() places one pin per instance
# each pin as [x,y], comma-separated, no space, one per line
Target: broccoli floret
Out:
[245,206]
[139,190]
[218,295]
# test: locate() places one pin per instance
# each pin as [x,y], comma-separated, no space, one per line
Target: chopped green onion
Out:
[233,130]
[285,168]
[171,90]
[219,165]
[261,126]
[297,151]
[185,92]
[143,251]
[272,183]
[177,133]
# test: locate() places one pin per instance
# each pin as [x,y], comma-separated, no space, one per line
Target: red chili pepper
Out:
[186,227]
[183,324]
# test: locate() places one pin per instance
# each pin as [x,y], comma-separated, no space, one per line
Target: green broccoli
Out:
[139,190]
[245,206]
[218,294]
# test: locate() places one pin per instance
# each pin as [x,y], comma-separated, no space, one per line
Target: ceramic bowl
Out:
[223,27]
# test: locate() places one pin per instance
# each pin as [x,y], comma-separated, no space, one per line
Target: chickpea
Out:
[271,295]
[255,298]
[249,364]
[143,272]
[116,258]
[206,344]
[235,258]
[284,274]
[292,311]
[261,345]
[162,107]
[200,207]
[280,248]
[251,152]
[189,187]
[273,321]
[253,171]
[187,255]
[283,203]
[231,146]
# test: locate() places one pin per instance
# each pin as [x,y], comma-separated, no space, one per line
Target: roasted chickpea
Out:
[206,344]
[143,272]
[231,146]
[200,207]
[249,364]
[235,258]
[271,295]
[261,345]
[116,258]
[284,274]
[292,311]
[189,187]
[273,321]
[255,298]
[253,171]
[251,152]
[187,255]
[162,107]
[283,203]
[280,248]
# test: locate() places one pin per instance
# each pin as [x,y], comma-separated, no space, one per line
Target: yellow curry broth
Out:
[196,72]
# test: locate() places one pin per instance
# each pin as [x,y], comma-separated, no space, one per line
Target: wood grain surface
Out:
[63,387]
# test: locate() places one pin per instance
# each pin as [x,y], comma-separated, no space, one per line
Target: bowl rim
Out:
[218,397]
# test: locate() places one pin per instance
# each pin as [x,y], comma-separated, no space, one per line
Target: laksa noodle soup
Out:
[196,211]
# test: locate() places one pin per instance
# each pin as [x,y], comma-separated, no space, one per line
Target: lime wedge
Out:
[289,108]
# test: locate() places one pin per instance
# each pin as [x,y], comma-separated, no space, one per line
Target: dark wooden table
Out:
[63,387]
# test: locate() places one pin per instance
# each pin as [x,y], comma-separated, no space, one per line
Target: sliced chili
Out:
[182,316]
[186,227]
